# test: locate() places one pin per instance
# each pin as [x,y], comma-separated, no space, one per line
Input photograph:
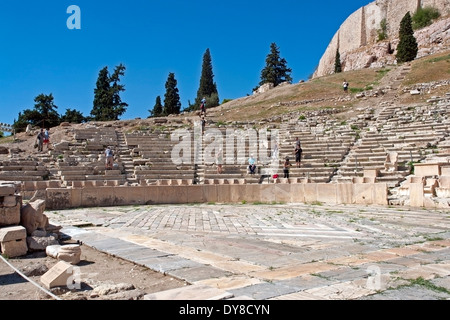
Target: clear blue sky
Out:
[40,54]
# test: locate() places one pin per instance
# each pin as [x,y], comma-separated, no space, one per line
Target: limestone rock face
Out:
[357,37]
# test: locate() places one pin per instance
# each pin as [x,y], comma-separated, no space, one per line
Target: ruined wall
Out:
[360,30]
[331,193]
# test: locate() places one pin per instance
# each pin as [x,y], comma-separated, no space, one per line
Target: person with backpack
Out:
[345,85]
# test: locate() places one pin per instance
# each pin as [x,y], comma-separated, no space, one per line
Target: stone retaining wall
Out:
[346,193]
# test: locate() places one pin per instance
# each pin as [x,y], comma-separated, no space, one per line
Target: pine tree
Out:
[276,70]
[47,109]
[337,62]
[73,116]
[43,114]
[172,104]
[157,110]
[207,88]
[407,47]
[107,103]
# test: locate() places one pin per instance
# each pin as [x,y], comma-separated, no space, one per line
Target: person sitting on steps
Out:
[251,165]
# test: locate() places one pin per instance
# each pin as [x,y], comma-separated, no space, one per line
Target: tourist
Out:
[46,138]
[286,166]
[203,121]
[203,106]
[298,152]
[109,162]
[345,85]
[40,140]
[251,164]
[219,161]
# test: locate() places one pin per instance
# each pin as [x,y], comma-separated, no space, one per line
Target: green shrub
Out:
[424,17]
[382,32]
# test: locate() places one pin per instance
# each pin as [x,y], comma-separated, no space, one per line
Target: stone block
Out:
[9,201]
[12,233]
[344,193]
[223,193]
[15,248]
[59,275]
[39,243]
[58,199]
[445,170]
[358,180]
[380,194]
[252,193]
[9,216]
[363,193]
[371,173]
[283,192]
[310,192]
[443,192]
[209,192]
[427,169]
[172,195]
[32,216]
[327,193]
[444,181]
[90,197]
[416,194]
[7,190]
[297,193]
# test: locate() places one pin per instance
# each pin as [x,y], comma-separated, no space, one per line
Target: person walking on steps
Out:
[109,162]
[40,140]
[203,106]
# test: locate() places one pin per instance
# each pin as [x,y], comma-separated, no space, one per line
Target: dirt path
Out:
[102,277]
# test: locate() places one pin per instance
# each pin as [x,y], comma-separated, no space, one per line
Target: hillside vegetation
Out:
[326,91]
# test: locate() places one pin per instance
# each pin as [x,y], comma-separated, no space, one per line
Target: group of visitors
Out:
[42,139]
[252,161]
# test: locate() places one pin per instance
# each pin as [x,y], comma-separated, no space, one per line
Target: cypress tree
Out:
[102,98]
[107,103]
[172,104]
[337,62]
[157,108]
[118,107]
[276,70]
[407,47]
[207,88]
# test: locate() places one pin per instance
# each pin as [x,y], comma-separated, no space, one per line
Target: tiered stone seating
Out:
[97,138]
[324,148]
[23,170]
[405,131]
[152,158]
[83,160]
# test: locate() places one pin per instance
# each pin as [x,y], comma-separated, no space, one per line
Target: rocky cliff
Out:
[357,37]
